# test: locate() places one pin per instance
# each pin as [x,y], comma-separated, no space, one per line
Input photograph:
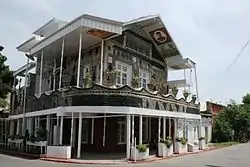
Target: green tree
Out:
[235,118]
[222,130]
[3,103]
[246,99]
[6,76]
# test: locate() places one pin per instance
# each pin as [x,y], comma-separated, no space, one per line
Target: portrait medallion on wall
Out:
[164,42]
[160,36]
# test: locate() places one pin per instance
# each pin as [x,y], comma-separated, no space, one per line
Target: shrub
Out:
[142,148]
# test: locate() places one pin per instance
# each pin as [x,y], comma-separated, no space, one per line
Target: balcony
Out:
[178,63]
[98,95]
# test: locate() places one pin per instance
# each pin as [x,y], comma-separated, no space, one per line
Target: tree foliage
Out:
[3,103]
[234,122]
[6,76]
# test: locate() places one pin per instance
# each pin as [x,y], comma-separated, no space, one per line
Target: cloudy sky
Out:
[210,32]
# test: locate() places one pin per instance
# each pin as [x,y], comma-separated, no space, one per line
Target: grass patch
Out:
[224,144]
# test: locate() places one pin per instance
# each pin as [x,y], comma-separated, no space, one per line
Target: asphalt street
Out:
[234,156]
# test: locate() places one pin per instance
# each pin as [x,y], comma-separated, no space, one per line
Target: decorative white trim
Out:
[109,110]
[130,110]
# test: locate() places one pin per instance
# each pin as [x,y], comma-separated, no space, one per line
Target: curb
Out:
[173,156]
[81,162]
[128,161]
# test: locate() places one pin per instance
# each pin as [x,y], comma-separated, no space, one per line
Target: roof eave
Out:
[86,16]
[19,48]
[36,32]
[19,71]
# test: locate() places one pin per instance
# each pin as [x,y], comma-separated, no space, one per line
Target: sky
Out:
[210,32]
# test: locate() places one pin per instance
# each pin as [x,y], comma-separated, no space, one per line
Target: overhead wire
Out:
[237,57]
[230,66]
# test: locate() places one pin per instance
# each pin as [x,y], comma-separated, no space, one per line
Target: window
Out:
[145,128]
[121,133]
[144,78]
[123,72]
[85,132]
[109,47]
[86,69]
[114,52]
[195,134]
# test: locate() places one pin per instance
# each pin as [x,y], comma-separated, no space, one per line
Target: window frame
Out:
[121,72]
[85,125]
[120,131]
[141,71]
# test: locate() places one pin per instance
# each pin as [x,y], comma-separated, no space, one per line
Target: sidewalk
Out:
[19,154]
[121,162]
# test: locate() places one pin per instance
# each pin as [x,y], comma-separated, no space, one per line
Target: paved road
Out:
[234,156]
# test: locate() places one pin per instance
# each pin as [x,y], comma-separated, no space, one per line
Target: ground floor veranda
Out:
[97,132]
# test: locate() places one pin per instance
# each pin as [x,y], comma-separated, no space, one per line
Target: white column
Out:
[169,127]
[38,121]
[128,128]
[74,133]
[159,129]
[101,64]
[35,122]
[92,130]
[18,127]
[14,95]
[79,136]
[79,60]
[185,129]
[41,74]
[164,128]
[149,128]
[140,129]
[176,128]
[196,83]
[48,127]
[47,122]
[72,130]
[54,75]
[133,130]
[146,128]
[31,125]
[61,130]
[104,131]
[57,121]
[24,97]
[124,41]
[199,129]
[12,127]
[61,65]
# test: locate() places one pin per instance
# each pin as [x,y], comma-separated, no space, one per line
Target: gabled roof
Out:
[152,25]
[21,70]
[157,32]
[54,24]
[84,20]
[25,46]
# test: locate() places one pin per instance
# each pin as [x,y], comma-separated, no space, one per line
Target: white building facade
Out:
[102,86]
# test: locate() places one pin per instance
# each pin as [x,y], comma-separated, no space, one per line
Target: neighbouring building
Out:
[212,108]
[207,125]
[209,110]
[101,86]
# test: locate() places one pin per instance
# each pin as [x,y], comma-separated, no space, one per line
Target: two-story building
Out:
[102,86]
